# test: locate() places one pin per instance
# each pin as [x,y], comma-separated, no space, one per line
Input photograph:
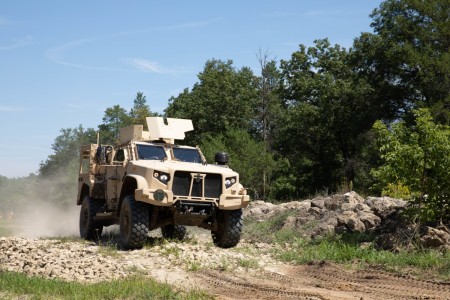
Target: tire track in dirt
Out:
[379,284]
[320,281]
[229,286]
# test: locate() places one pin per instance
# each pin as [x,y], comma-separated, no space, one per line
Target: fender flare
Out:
[141,182]
[130,184]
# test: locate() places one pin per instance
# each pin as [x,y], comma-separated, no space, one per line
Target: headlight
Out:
[229,182]
[161,176]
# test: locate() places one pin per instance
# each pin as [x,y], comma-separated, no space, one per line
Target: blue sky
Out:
[62,63]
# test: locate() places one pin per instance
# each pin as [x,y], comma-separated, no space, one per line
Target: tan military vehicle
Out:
[148,182]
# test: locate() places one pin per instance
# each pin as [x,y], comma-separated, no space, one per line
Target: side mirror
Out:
[221,158]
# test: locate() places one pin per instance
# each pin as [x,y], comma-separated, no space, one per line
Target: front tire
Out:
[230,228]
[89,229]
[134,221]
[177,232]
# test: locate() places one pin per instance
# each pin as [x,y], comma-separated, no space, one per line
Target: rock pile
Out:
[52,258]
[349,213]
[168,261]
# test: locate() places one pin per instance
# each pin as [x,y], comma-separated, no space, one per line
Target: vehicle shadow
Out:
[111,238]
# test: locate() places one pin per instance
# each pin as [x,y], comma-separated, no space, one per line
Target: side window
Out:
[120,155]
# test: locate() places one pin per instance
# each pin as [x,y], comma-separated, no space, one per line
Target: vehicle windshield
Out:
[187,155]
[151,152]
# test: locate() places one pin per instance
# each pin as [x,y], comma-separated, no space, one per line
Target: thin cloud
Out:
[57,54]
[17,43]
[148,66]
[152,66]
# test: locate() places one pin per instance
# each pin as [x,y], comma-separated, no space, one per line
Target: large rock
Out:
[385,206]
[297,205]
[370,220]
[353,201]
[353,197]
[320,203]
[351,221]
[434,238]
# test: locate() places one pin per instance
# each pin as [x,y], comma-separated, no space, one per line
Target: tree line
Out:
[305,125]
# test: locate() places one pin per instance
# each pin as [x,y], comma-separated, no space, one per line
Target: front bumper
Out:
[225,202]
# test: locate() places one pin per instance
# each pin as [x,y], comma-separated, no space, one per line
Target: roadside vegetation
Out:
[349,249]
[139,287]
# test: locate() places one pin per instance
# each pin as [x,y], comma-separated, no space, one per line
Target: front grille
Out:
[182,183]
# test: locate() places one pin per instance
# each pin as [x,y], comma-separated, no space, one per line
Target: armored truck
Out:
[147,181]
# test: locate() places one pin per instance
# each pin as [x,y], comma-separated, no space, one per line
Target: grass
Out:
[138,287]
[270,231]
[249,263]
[347,249]
[354,248]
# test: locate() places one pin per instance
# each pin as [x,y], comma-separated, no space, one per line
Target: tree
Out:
[416,160]
[140,110]
[247,157]
[115,118]
[329,110]
[65,149]
[414,48]
[223,99]
[268,109]
[59,173]
[268,106]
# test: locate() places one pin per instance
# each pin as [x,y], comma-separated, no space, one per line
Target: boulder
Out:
[320,203]
[351,221]
[385,206]
[323,230]
[348,206]
[434,238]
[297,205]
[370,220]
[315,211]
[353,197]
[334,202]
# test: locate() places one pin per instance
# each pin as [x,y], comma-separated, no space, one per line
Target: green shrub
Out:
[416,161]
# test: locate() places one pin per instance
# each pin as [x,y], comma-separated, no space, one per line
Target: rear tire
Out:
[230,228]
[177,232]
[89,229]
[134,221]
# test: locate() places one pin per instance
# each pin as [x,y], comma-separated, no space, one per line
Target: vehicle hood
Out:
[168,166]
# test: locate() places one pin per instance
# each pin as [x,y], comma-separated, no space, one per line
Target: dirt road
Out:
[248,271]
[320,281]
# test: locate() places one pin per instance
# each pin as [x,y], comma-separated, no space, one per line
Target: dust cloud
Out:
[40,218]
[45,219]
